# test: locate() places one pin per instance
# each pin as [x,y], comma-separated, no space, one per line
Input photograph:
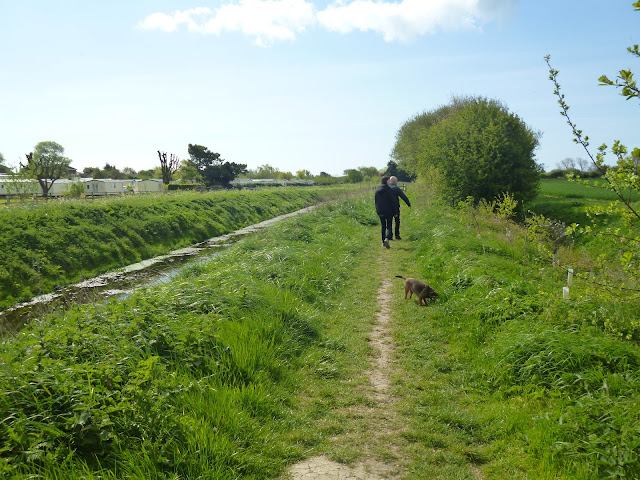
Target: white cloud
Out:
[169,23]
[270,21]
[267,21]
[403,21]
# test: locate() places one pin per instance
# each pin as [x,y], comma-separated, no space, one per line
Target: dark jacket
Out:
[384,201]
[397,195]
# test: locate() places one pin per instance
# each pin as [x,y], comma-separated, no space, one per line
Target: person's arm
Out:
[404,198]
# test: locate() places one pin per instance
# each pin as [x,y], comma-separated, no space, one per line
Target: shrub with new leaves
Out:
[623,180]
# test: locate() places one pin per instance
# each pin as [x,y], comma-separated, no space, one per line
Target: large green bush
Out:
[472,148]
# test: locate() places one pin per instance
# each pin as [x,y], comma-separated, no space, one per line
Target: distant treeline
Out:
[564,172]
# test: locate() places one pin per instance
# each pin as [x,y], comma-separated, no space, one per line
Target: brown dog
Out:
[422,290]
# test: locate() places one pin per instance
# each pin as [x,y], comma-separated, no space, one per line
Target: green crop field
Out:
[562,188]
[560,199]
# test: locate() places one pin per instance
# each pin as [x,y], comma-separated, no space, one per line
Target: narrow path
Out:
[379,417]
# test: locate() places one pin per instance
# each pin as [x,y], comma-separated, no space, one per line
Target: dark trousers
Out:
[397,224]
[385,223]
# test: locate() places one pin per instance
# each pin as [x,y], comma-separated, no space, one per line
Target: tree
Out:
[111,171]
[285,175]
[76,190]
[188,172]
[46,164]
[21,184]
[265,171]
[369,172]
[302,174]
[129,172]
[408,148]
[353,175]
[583,164]
[326,179]
[3,168]
[168,166]
[567,164]
[150,173]
[393,170]
[214,170]
[91,171]
[475,148]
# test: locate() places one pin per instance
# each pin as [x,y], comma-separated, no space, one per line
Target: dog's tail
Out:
[400,276]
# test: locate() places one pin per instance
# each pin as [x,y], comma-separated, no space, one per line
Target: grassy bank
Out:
[503,378]
[60,242]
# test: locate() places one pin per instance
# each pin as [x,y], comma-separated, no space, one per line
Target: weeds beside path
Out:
[499,378]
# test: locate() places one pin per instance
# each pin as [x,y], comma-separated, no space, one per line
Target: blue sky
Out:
[321,85]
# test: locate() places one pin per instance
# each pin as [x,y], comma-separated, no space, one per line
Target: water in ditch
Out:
[122,282]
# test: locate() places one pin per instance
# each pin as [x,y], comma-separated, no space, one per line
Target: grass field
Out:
[560,199]
[243,365]
[562,188]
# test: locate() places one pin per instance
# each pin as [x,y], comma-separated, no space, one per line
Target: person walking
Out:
[397,195]
[384,208]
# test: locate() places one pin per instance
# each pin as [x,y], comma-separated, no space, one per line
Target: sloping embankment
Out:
[56,243]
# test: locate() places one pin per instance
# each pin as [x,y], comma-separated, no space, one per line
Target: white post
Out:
[565,292]
[569,277]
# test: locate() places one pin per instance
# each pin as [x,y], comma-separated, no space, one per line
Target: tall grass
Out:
[240,366]
[562,188]
[514,380]
[189,379]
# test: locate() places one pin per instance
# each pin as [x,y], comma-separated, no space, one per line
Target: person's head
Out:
[384,180]
[393,180]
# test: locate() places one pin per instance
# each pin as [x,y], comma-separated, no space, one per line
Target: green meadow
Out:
[241,366]
[560,199]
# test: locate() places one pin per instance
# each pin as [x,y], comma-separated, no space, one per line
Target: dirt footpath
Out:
[380,416]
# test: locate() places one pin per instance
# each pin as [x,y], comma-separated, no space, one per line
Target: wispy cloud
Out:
[271,21]
[266,21]
[168,23]
[405,20]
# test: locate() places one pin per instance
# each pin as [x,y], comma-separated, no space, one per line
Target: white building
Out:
[107,186]
[150,185]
